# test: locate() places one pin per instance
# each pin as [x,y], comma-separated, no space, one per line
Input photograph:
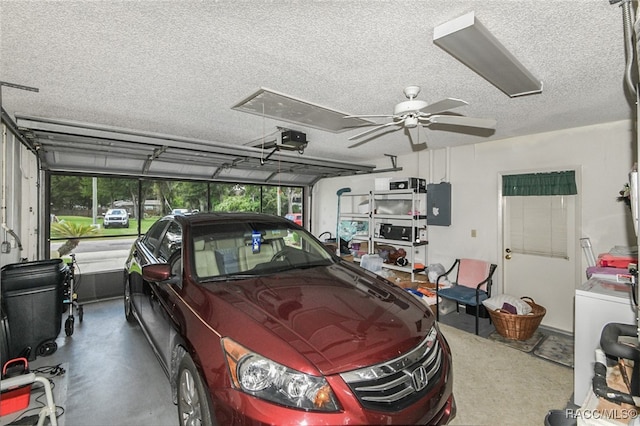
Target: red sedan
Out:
[256,322]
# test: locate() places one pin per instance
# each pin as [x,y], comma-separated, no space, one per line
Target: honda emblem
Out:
[420,379]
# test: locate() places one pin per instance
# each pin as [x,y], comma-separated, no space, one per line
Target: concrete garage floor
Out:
[114,378]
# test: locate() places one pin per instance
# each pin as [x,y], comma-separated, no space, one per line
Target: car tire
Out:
[194,406]
[128,302]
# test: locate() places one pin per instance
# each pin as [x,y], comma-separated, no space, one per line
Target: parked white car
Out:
[179,211]
[116,217]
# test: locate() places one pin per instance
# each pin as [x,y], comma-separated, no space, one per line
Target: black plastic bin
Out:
[560,418]
[32,299]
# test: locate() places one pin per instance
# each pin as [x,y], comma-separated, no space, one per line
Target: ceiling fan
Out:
[411,113]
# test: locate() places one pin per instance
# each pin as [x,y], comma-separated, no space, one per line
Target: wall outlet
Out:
[473,233]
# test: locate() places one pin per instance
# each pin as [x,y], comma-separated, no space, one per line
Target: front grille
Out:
[396,384]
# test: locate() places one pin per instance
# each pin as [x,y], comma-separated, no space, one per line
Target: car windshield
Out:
[232,249]
[116,212]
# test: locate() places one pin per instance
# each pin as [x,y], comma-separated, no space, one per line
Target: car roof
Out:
[227,216]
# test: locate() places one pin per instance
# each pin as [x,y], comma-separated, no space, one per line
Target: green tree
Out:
[165,193]
[114,189]
[238,203]
[191,195]
[70,191]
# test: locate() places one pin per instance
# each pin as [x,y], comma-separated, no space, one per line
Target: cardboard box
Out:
[382,184]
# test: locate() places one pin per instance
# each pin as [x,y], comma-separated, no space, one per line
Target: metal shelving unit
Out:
[401,209]
[403,213]
[355,212]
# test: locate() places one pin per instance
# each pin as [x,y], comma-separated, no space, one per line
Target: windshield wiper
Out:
[313,264]
[230,277]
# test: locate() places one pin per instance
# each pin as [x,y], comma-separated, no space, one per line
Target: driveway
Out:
[100,255]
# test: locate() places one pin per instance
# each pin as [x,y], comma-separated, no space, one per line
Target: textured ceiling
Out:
[178,67]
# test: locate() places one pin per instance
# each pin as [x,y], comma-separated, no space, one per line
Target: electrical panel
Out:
[439,204]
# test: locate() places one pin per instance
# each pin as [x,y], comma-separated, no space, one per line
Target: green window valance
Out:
[529,184]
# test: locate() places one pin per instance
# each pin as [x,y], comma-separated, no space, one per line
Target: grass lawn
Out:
[132,230]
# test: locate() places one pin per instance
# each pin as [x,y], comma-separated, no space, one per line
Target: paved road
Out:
[100,255]
[89,246]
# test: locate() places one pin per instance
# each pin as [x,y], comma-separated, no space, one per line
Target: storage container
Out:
[32,294]
[16,399]
[613,261]
[371,262]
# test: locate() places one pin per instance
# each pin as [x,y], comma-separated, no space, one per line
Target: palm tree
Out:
[72,231]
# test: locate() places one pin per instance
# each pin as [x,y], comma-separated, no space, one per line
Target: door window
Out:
[152,237]
[538,225]
[171,242]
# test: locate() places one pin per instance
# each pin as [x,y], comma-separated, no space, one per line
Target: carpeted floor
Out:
[495,384]
[547,344]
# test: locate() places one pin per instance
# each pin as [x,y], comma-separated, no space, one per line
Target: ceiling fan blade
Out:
[391,123]
[415,146]
[423,145]
[443,105]
[369,116]
[357,144]
[457,120]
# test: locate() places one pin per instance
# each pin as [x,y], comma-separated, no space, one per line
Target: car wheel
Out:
[128,303]
[194,407]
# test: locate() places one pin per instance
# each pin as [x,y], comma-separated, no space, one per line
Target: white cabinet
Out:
[598,302]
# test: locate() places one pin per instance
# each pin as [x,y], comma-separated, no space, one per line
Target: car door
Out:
[144,254]
[159,307]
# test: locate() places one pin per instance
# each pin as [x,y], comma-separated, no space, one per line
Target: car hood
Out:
[336,316]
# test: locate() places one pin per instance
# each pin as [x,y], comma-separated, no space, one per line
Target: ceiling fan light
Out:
[471,43]
[409,106]
[410,122]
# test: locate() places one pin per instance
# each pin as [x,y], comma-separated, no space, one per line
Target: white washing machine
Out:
[598,302]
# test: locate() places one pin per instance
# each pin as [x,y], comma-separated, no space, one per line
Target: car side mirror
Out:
[156,272]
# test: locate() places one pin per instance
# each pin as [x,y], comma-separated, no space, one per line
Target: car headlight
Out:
[263,378]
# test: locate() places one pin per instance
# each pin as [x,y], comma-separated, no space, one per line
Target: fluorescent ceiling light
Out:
[271,104]
[471,43]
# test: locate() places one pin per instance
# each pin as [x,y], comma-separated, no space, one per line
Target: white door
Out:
[540,255]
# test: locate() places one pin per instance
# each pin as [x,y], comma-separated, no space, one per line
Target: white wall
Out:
[604,153]
[18,209]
